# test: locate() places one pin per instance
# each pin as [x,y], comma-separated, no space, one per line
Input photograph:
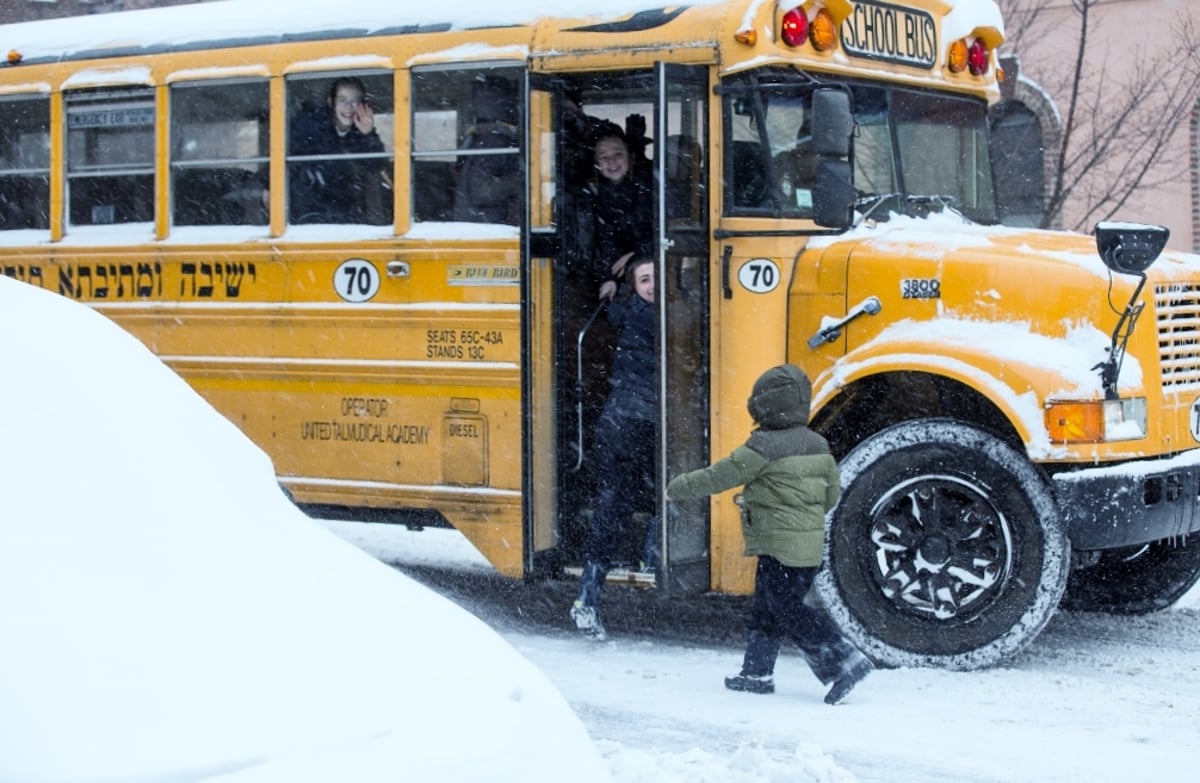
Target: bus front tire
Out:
[945,548]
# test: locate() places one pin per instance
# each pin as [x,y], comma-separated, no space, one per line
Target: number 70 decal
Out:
[759,275]
[356,280]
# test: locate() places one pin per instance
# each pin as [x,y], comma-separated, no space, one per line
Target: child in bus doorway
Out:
[617,209]
[624,440]
[791,481]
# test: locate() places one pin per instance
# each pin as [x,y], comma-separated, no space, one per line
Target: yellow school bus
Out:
[1016,412]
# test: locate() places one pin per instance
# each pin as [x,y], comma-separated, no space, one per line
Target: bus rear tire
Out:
[1136,580]
[945,549]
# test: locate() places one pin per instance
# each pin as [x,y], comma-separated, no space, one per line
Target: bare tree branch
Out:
[1117,132]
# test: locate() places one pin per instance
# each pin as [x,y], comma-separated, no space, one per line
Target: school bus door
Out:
[681,168]
[554,435]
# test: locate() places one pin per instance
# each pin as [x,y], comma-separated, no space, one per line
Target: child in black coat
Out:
[624,438]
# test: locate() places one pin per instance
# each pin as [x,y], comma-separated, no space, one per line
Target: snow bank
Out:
[169,615]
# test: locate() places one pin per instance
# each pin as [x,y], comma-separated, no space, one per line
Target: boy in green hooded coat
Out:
[791,481]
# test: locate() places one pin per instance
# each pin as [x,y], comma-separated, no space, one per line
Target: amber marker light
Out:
[746,36]
[793,28]
[14,57]
[1075,422]
[957,61]
[823,33]
[1096,421]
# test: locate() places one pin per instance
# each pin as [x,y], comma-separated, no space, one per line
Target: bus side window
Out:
[466,146]
[489,179]
[24,163]
[341,135]
[110,156]
[219,153]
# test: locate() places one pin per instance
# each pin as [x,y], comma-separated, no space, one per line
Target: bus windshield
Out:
[910,148]
[924,145]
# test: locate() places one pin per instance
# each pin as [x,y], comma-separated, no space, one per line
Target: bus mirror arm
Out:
[833,329]
[1131,249]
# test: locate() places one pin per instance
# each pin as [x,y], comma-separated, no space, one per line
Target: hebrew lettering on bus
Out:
[203,279]
[31,274]
[110,281]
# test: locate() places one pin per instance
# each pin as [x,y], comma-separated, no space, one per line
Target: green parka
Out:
[791,479]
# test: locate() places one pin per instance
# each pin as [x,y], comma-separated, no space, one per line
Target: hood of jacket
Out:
[781,398]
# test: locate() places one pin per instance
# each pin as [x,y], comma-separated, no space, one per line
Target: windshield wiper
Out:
[907,204]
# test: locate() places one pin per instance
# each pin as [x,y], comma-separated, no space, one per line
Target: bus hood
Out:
[1022,315]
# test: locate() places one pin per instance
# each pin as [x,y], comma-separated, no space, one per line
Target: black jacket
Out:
[618,219]
[632,382]
[328,191]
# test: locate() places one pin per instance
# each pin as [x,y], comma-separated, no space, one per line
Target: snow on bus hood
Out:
[168,615]
[1070,353]
[940,235]
[1071,357]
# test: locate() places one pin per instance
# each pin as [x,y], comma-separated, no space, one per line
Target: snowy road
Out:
[1096,698]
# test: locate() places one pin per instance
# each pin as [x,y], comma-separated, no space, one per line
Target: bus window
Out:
[219,153]
[943,149]
[874,164]
[747,188]
[110,156]
[466,146]
[340,146]
[24,163]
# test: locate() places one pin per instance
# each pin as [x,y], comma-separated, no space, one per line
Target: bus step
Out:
[619,575]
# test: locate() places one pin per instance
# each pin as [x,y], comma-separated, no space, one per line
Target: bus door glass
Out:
[540,381]
[681,168]
[569,343]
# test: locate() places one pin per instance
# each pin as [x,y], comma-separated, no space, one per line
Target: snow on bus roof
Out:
[229,22]
[234,22]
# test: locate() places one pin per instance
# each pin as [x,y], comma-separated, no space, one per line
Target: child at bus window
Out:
[616,211]
[791,481]
[488,187]
[333,191]
[623,442]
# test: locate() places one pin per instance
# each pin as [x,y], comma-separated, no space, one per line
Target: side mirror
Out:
[1130,248]
[832,127]
[832,123]
[833,193]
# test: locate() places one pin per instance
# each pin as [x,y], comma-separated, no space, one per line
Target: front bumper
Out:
[1131,503]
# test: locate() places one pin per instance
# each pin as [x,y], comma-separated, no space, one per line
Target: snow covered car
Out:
[168,614]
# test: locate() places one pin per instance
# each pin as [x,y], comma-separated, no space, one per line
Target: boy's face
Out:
[345,102]
[643,281]
[612,159]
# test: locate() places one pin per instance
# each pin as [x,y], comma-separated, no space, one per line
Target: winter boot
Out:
[751,683]
[852,674]
[587,620]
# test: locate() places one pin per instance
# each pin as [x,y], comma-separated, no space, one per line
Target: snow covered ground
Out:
[1095,698]
[167,616]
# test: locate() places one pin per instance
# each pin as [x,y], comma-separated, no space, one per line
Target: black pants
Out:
[624,451]
[778,611]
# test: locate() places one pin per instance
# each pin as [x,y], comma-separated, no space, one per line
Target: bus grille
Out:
[1178,310]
